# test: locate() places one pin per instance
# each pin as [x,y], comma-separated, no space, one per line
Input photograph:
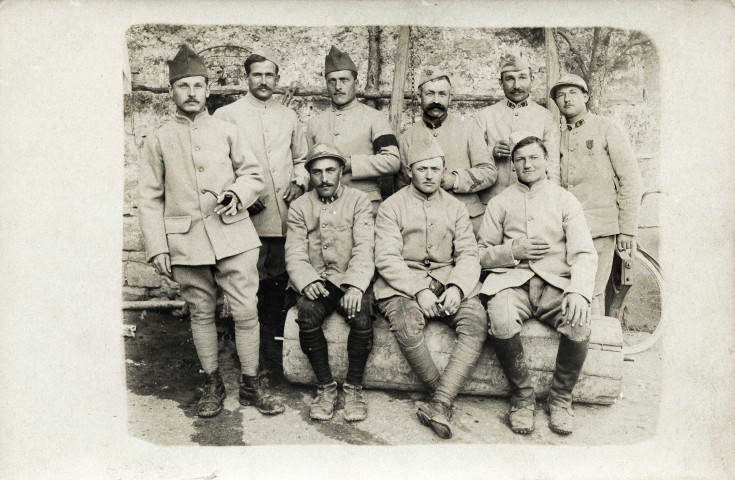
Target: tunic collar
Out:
[513,106]
[576,124]
[348,106]
[199,117]
[435,123]
[334,197]
[250,98]
[416,193]
[535,187]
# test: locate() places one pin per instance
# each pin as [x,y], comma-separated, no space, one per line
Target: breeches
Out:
[507,309]
[311,313]
[605,247]
[407,321]
[237,276]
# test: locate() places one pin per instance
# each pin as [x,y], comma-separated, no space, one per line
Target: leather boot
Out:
[322,408]
[436,415]
[355,404]
[522,396]
[569,361]
[253,392]
[210,403]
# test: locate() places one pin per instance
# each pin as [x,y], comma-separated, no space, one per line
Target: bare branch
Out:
[575,53]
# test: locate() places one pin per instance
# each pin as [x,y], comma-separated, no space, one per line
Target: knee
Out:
[246,323]
[502,325]
[473,323]
[310,313]
[579,333]
[407,324]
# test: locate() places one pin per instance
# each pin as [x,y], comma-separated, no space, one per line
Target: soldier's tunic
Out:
[523,289]
[465,154]
[499,120]
[364,136]
[278,140]
[599,167]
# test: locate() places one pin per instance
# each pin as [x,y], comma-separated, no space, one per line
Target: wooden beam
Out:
[243,89]
[373,71]
[399,79]
[552,68]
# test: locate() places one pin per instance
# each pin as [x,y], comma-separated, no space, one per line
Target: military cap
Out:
[186,63]
[424,148]
[268,54]
[336,61]
[430,73]
[513,61]
[323,150]
[569,79]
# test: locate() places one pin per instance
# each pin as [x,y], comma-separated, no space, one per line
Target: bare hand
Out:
[292,193]
[162,264]
[351,301]
[525,248]
[428,303]
[314,290]
[501,150]
[447,182]
[256,207]
[449,300]
[227,204]
[575,309]
[625,242]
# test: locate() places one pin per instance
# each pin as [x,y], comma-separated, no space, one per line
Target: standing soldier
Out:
[517,112]
[426,255]
[196,179]
[470,169]
[536,245]
[276,137]
[329,257]
[599,167]
[361,133]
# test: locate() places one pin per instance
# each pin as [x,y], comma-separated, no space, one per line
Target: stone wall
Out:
[471,55]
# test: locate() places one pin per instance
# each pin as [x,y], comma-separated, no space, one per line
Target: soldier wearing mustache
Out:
[516,113]
[361,133]
[278,140]
[329,257]
[470,169]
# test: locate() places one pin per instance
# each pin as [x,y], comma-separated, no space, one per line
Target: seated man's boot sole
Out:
[211,413]
[561,421]
[522,421]
[275,411]
[438,424]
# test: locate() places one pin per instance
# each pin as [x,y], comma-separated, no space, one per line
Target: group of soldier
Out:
[494,221]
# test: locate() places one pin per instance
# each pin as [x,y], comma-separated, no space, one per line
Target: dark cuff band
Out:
[384,141]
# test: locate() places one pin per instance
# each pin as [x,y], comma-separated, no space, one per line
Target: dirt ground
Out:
[163,375]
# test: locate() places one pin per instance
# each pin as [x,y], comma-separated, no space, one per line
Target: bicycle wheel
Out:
[636,302]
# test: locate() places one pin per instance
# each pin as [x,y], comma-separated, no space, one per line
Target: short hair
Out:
[354,74]
[529,141]
[530,72]
[443,77]
[206,80]
[255,58]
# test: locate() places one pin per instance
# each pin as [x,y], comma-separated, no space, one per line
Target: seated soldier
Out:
[426,255]
[535,241]
[329,259]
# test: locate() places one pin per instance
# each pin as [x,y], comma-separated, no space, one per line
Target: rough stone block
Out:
[137,257]
[600,381]
[169,289]
[134,293]
[132,235]
[141,275]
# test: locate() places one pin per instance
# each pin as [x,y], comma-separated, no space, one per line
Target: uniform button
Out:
[201,169]
[323,208]
[516,114]
[197,148]
[431,224]
[571,187]
[334,213]
[325,247]
[429,246]
[428,205]
[435,134]
[203,192]
[324,225]
[336,133]
[530,219]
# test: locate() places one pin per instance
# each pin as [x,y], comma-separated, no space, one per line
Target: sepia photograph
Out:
[378,239]
[477,92]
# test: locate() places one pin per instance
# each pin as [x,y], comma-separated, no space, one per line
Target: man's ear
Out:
[408,171]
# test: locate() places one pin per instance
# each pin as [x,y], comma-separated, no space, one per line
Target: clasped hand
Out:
[446,304]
